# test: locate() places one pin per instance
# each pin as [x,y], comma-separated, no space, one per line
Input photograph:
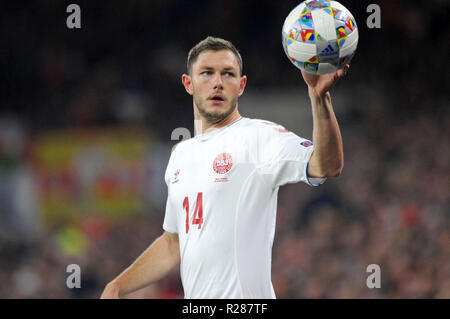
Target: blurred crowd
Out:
[389,207]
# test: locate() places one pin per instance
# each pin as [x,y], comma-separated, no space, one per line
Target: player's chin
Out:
[216,114]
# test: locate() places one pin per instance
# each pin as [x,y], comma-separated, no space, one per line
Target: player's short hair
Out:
[212,44]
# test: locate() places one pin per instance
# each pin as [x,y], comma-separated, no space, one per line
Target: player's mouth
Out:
[217,99]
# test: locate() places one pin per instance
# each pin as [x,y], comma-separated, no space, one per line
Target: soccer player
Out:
[223,183]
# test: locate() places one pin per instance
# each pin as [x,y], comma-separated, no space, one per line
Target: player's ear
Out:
[187,82]
[242,84]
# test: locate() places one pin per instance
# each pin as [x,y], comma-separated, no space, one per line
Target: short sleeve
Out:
[170,217]
[285,158]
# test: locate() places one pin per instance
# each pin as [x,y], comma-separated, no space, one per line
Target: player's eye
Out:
[206,73]
[230,74]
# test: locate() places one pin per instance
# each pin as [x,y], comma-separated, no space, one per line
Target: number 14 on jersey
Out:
[198,212]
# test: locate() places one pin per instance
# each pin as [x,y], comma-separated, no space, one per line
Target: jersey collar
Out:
[211,133]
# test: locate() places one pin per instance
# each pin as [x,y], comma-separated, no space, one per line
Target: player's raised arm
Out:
[152,265]
[327,159]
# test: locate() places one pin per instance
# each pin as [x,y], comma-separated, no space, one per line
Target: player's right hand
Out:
[111,291]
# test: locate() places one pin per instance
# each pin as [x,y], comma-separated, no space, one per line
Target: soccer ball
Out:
[320,36]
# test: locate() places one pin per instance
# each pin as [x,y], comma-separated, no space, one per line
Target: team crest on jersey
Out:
[306,143]
[222,163]
[175,176]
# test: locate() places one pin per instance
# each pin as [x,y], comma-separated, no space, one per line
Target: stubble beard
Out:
[213,117]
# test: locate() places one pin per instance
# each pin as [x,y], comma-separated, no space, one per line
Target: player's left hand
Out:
[320,84]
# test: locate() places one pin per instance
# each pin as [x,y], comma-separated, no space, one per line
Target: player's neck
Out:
[201,125]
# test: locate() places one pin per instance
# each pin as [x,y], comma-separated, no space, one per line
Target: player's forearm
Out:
[152,265]
[328,156]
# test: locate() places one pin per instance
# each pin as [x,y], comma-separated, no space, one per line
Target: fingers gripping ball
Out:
[320,37]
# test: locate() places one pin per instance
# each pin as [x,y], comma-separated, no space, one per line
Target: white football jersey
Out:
[222,202]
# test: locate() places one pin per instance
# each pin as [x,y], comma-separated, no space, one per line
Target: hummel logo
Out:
[175,174]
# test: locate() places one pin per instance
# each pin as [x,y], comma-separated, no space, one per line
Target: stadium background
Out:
[86,118]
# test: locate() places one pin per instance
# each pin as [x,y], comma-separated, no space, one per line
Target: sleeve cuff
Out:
[169,229]
[313,181]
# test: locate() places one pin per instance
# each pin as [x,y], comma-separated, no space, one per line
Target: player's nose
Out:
[217,80]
